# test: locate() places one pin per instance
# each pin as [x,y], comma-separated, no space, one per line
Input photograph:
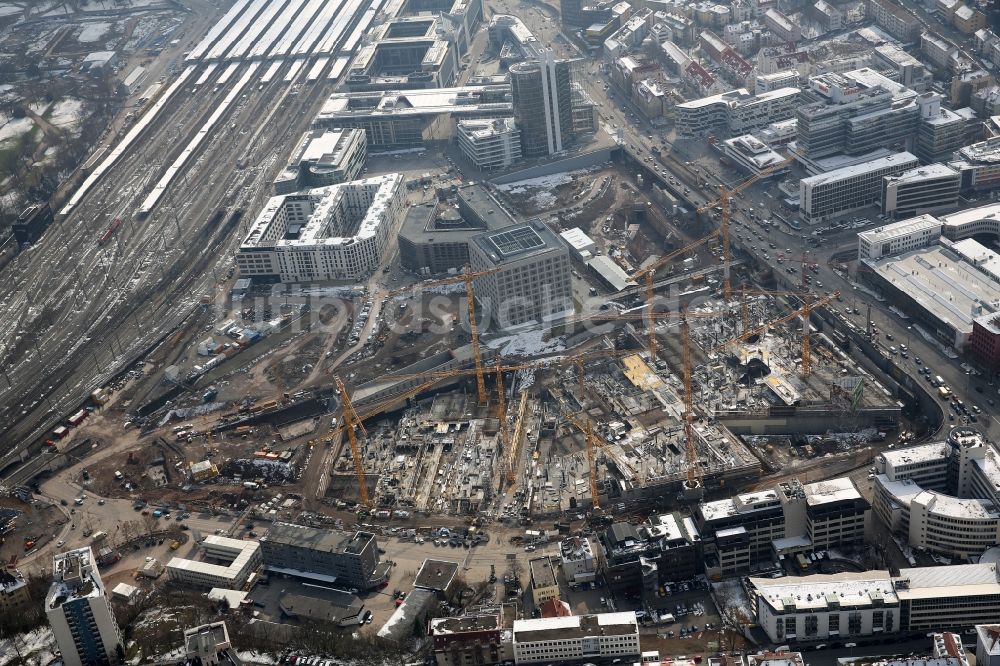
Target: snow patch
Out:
[66,113]
[10,10]
[38,646]
[14,128]
[92,32]
[527,343]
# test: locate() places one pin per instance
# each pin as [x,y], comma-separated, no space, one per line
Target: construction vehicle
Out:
[468,276]
[725,194]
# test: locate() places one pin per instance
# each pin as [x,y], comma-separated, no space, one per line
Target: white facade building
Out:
[323,157]
[578,562]
[945,496]
[578,637]
[79,612]
[899,237]
[490,143]
[580,243]
[337,232]
[752,155]
[851,605]
[736,112]
[851,188]
[988,645]
[243,557]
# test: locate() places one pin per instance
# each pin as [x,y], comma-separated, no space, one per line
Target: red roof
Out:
[555,607]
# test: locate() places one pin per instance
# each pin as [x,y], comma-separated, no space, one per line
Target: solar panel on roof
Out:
[517,240]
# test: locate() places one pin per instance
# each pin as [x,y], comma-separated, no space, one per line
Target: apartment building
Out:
[531,274]
[338,232]
[79,612]
[350,558]
[850,188]
[544,582]
[899,237]
[894,19]
[578,562]
[781,26]
[740,530]
[575,638]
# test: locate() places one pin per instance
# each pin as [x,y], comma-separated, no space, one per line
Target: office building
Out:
[927,189]
[894,19]
[851,188]
[79,612]
[398,119]
[406,52]
[541,94]
[736,112]
[787,78]
[323,157]
[338,232]
[937,51]
[230,563]
[850,605]
[350,559]
[945,496]
[940,132]
[979,164]
[544,582]
[490,144]
[909,70]
[899,237]
[860,111]
[208,645]
[531,274]
[638,559]
[435,238]
[935,286]
[984,343]
[576,638]
[788,520]
[988,645]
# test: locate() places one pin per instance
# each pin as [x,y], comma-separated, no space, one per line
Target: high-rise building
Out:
[79,612]
[542,98]
[940,132]
[531,274]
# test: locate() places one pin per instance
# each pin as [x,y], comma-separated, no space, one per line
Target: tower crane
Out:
[648,272]
[804,312]
[351,419]
[725,194]
[468,276]
[693,485]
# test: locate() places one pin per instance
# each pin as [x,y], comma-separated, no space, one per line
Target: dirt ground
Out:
[36,522]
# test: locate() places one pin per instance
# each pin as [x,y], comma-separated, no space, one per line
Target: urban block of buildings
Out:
[350,559]
[338,232]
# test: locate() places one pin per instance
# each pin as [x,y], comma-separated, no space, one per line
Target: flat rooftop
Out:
[889,232]
[517,242]
[953,291]
[543,574]
[820,591]
[905,492]
[916,454]
[436,574]
[831,490]
[740,504]
[922,173]
[575,626]
[314,538]
[957,580]
[467,623]
[902,158]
